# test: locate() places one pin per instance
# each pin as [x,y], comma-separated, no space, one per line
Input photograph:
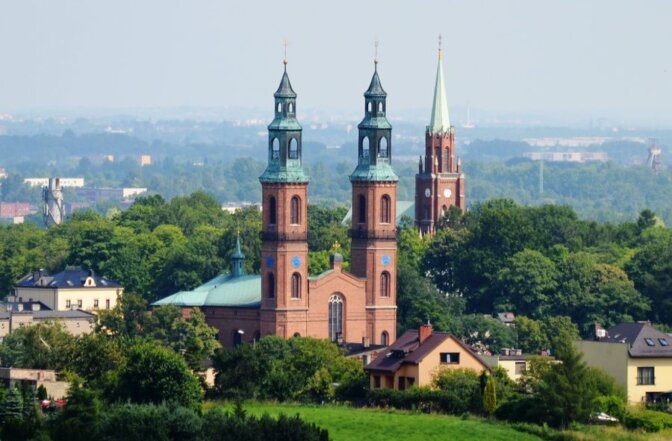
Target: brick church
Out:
[356,306]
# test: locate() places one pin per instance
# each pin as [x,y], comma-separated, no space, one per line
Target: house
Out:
[513,361]
[417,355]
[10,376]
[73,288]
[15,315]
[637,355]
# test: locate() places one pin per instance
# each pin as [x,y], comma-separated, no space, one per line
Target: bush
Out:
[425,400]
[647,420]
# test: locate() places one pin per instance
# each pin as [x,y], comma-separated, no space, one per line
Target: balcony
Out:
[274,236]
[361,233]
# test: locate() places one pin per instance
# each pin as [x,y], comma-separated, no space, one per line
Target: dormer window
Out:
[649,342]
[663,342]
[89,282]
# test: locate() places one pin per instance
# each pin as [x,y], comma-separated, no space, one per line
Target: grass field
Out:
[351,424]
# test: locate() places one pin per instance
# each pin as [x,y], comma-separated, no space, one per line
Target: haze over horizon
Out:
[571,59]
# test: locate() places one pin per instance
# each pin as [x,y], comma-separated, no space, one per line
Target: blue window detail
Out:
[385,260]
[269,262]
[296,261]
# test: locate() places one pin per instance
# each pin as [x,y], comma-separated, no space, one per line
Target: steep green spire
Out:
[440,121]
[284,138]
[375,137]
[237,258]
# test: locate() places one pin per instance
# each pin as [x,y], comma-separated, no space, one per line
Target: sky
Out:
[591,59]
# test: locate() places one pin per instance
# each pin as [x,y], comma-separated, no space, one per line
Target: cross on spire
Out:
[375,48]
[440,51]
[285,43]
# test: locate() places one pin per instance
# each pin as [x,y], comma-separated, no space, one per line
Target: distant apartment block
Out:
[232,207]
[3,173]
[11,210]
[65,182]
[95,195]
[568,156]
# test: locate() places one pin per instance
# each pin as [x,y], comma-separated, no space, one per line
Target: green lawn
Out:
[350,424]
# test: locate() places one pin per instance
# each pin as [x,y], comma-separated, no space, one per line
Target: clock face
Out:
[296,261]
[269,262]
[428,192]
[385,260]
[447,193]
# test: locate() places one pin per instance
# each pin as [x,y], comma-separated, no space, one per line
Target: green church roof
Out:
[223,290]
[440,120]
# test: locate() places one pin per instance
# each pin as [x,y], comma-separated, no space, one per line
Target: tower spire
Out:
[237,259]
[440,120]
[285,43]
[375,56]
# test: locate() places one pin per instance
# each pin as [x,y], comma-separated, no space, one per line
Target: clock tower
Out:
[284,235]
[439,183]
[374,230]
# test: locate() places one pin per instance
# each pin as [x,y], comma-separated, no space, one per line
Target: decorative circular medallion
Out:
[269,262]
[385,260]
[296,261]
[447,193]
[428,192]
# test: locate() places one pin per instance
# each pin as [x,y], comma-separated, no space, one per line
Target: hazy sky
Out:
[594,58]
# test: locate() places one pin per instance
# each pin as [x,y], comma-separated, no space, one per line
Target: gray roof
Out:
[375,88]
[75,313]
[644,340]
[285,88]
[69,278]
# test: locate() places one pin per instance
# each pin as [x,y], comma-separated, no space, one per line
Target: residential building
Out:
[95,195]
[342,306]
[13,210]
[71,289]
[65,182]
[637,355]
[11,376]
[416,357]
[76,322]
[513,361]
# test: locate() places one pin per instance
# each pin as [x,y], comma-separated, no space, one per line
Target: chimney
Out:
[424,332]
[365,342]
[336,261]
[600,332]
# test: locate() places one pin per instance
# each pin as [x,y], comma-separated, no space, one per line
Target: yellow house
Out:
[417,355]
[71,289]
[514,362]
[637,355]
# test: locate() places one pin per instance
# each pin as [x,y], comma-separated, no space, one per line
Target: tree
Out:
[527,283]
[154,374]
[80,419]
[40,346]
[490,396]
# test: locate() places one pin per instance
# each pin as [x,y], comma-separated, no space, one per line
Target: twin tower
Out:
[359,305]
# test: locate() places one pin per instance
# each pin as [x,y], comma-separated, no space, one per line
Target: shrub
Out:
[647,420]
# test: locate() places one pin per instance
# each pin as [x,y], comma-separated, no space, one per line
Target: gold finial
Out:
[375,57]
[285,43]
[440,51]
[336,246]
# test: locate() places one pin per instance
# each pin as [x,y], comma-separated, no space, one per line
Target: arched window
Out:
[257,335]
[368,106]
[382,147]
[296,286]
[444,211]
[362,208]
[384,338]
[271,285]
[293,149]
[365,147]
[279,108]
[295,211]
[380,107]
[275,149]
[385,284]
[238,337]
[272,211]
[296,334]
[385,206]
[290,108]
[335,317]
[426,212]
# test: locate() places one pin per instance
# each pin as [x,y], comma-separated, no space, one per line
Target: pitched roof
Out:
[71,278]
[375,88]
[75,313]
[404,208]
[285,88]
[644,340]
[440,120]
[408,350]
[224,290]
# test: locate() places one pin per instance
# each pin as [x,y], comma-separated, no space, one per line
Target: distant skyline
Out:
[571,60]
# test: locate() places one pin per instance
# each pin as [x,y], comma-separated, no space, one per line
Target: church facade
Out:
[283,299]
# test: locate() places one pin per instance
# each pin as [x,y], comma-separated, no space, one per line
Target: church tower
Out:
[439,183]
[374,231]
[284,249]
